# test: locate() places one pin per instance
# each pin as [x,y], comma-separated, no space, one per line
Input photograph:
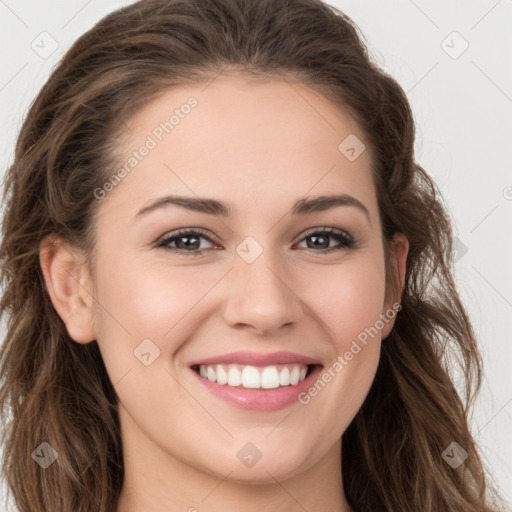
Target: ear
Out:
[69,286]
[395,286]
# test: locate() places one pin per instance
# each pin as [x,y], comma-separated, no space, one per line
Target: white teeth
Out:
[222,376]
[284,377]
[210,373]
[252,377]
[294,376]
[269,378]
[234,377]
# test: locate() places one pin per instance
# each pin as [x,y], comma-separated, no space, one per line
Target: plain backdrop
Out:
[453,59]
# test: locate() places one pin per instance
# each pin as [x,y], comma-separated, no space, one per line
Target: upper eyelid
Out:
[326,229]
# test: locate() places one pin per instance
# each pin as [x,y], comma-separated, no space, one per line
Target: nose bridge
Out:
[259,292]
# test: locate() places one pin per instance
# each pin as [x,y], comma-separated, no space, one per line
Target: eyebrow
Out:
[214,207]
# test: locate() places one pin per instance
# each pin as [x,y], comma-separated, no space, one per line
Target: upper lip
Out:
[256,359]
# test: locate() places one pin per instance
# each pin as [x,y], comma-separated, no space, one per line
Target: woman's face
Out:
[258,279]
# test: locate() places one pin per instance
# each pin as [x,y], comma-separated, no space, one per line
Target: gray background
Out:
[462,102]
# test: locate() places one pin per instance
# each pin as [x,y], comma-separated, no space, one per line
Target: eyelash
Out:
[345,239]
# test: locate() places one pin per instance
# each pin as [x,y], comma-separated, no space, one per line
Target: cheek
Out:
[347,298]
[148,300]
[348,301]
[154,300]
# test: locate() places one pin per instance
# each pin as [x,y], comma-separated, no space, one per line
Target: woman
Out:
[228,283]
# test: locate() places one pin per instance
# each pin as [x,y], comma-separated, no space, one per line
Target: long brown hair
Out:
[57,391]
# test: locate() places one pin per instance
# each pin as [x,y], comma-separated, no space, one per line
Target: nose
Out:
[260,297]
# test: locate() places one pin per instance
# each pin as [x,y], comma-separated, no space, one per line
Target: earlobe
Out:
[399,251]
[67,281]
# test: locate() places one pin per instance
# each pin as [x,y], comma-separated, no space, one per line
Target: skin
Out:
[259,146]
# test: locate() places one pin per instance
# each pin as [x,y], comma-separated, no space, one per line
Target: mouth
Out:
[254,381]
[264,378]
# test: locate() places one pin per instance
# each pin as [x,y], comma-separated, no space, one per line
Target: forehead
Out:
[248,141]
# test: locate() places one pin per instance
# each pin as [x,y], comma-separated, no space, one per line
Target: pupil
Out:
[188,244]
[316,238]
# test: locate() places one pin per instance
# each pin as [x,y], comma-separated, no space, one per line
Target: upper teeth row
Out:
[266,377]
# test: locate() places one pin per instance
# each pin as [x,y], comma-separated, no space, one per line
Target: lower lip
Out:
[259,399]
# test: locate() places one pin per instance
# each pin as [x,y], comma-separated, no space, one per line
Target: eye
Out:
[185,240]
[189,240]
[320,238]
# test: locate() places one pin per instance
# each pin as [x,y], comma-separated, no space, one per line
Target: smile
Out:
[256,381]
[254,377]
